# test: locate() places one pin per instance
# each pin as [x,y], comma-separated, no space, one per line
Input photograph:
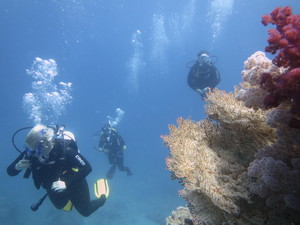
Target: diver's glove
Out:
[59,186]
[23,164]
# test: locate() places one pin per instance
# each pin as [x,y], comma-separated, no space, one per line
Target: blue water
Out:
[128,54]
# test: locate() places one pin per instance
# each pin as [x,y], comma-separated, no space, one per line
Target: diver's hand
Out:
[98,149]
[199,91]
[23,164]
[59,186]
[102,149]
[205,90]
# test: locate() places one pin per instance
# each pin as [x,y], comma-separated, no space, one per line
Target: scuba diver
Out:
[52,157]
[203,75]
[112,144]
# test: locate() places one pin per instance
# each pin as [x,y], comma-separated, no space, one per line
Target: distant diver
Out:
[112,144]
[203,75]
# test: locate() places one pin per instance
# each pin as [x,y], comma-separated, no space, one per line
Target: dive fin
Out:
[101,188]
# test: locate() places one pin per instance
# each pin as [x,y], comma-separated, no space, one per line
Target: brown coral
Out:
[212,158]
[179,216]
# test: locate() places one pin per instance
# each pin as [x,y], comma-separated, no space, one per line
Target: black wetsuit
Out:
[202,76]
[67,164]
[114,144]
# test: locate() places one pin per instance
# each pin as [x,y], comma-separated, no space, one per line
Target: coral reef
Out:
[276,170]
[250,91]
[211,159]
[241,165]
[179,216]
[285,40]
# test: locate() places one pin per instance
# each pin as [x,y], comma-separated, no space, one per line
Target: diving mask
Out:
[204,59]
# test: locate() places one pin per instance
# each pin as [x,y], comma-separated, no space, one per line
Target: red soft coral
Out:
[285,40]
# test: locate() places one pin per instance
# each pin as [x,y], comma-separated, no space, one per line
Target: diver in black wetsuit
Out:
[57,166]
[203,75]
[113,145]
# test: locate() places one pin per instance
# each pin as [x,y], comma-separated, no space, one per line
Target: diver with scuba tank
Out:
[203,75]
[51,156]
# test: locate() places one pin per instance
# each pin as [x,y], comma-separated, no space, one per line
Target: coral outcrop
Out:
[241,165]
